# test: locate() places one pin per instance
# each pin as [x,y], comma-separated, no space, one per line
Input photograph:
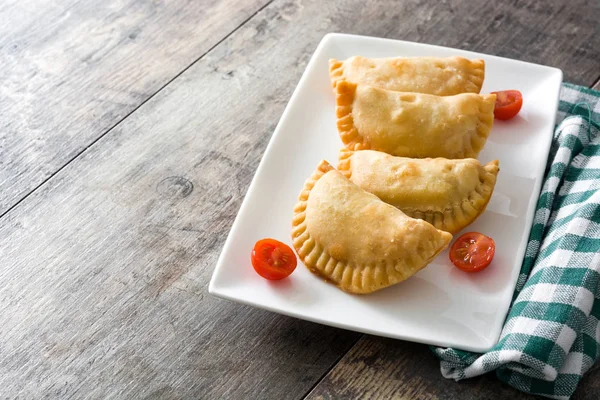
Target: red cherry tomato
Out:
[472,252]
[272,259]
[508,104]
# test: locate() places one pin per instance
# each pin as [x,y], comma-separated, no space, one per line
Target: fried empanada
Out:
[450,194]
[356,241]
[430,75]
[413,124]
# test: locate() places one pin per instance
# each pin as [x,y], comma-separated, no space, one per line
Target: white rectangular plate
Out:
[440,305]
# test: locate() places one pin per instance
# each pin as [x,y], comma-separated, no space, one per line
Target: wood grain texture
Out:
[70,70]
[105,266]
[589,387]
[104,293]
[380,368]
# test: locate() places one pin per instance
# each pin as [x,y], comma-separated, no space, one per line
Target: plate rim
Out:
[486,342]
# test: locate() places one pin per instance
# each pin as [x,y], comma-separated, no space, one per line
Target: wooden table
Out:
[130,133]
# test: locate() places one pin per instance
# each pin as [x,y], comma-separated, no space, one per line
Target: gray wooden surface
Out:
[380,368]
[71,70]
[112,233]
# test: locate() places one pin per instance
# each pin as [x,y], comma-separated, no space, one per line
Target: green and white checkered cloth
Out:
[551,336]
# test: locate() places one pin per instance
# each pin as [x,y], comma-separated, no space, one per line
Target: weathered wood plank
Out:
[105,267]
[560,34]
[105,295]
[589,387]
[378,368]
[70,70]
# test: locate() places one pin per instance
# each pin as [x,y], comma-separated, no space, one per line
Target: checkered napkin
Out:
[551,336]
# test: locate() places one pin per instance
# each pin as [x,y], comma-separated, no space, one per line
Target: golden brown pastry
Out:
[450,194]
[431,75]
[356,241]
[413,124]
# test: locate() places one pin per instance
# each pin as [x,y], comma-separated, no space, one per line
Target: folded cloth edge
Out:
[530,370]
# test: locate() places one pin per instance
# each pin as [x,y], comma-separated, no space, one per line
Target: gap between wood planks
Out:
[595,85]
[93,142]
[335,363]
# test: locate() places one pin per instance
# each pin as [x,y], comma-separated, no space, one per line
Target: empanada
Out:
[431,75]
[413,124]
[450,194]
[356,241]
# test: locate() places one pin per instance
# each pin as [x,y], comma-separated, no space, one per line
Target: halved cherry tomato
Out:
[272,259]
[508,104]
[472,252]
